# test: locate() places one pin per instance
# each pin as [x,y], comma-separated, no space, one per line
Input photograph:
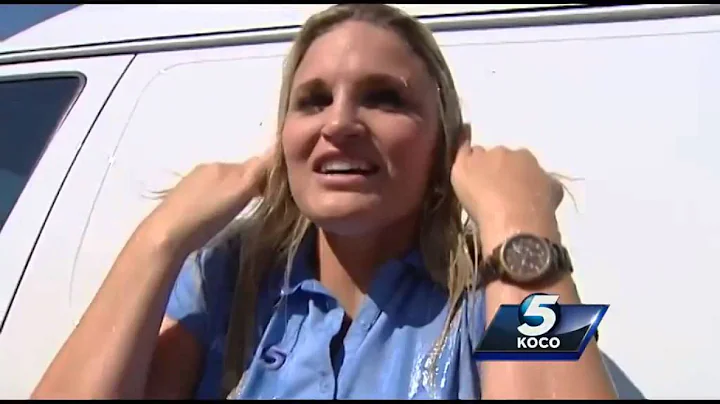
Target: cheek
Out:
[410,156]
[410,148]
[297,141]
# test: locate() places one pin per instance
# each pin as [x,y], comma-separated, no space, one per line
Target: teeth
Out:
[346,165]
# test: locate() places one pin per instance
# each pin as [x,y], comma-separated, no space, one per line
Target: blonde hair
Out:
[272,234]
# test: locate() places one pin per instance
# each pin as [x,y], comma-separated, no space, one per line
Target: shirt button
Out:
[325,385]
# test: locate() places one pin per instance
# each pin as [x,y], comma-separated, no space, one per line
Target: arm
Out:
[121,325]
[506,192]
[115,352]
[173,376]
[584,379]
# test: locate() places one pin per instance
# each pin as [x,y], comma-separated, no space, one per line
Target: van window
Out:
[30,111]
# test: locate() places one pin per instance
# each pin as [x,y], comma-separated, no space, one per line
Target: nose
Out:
[342,122]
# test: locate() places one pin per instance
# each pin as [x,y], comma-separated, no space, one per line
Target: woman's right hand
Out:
[203,203]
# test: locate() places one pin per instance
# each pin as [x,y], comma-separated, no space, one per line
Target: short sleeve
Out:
[476,316]
[201,291]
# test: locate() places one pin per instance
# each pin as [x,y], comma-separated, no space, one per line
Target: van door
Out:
[170,112]
[46,110]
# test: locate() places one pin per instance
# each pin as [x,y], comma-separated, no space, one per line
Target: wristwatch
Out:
[526,259]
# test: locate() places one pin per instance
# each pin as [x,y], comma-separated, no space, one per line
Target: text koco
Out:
[538,342]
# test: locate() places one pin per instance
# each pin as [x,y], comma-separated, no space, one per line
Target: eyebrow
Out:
[370,80]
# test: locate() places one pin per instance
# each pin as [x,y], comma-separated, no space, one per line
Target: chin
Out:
[347,219]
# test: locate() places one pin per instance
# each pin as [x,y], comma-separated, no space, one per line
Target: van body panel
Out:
[177,20]
[631,109]
[26,219]
[110,187]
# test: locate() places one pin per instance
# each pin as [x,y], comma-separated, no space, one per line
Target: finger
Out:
[465,140]
[558,191]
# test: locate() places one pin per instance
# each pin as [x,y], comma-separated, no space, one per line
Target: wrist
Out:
[157,242]
[500,292]
[495,232]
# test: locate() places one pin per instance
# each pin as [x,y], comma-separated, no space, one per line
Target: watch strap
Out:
[491,267]
[560,261]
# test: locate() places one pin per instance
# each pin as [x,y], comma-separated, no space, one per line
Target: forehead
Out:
[354,49]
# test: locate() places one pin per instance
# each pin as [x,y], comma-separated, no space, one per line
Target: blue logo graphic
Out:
[540,328]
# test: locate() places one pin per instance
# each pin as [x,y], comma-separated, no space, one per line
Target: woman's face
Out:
[360,131]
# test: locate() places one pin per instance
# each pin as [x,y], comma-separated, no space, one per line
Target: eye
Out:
[386,99]
[313,102]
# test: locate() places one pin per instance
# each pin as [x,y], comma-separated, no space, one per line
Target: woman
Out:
[355,279]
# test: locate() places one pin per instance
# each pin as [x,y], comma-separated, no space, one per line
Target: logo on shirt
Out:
[540,329]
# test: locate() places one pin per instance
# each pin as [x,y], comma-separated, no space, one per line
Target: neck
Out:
[348,264]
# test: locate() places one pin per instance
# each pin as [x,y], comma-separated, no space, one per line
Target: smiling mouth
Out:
[338,168]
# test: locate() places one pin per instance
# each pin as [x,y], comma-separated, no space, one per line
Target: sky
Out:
[15,18]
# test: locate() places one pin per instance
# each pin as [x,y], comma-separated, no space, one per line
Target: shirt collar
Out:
[303,270]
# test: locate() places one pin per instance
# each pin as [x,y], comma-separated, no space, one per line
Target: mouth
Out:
[346,167]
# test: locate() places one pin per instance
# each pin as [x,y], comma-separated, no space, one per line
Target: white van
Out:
[104,104]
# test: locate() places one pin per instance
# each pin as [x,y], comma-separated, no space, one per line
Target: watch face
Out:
[526,257]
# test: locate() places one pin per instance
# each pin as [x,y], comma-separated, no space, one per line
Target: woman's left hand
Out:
[506,192]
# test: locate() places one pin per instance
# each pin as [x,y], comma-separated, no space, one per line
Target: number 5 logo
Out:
[544,317]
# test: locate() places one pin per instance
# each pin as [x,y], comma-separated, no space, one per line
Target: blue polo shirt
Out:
[384,354]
